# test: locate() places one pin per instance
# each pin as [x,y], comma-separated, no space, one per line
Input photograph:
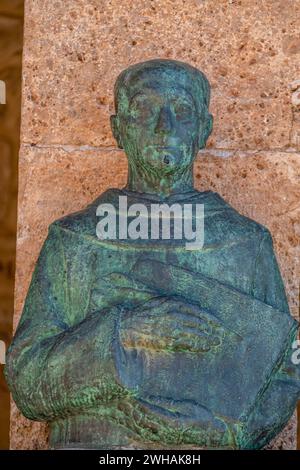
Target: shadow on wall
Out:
[11,41]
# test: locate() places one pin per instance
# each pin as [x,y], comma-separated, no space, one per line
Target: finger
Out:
[176,341]
[190,346]
[167,326]
[163,326]
[193,321]
[164,306]
[194,311]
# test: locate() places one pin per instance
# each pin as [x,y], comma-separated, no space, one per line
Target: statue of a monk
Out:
[140,342]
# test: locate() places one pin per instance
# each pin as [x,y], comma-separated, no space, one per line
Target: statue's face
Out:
[159,127]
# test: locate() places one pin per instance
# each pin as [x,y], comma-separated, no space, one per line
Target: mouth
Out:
[168,154]
[166,148]
[165,157]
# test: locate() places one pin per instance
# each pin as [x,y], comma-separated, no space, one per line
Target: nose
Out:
[164,123]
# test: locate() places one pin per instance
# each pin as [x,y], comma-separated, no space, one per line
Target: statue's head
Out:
[162,116]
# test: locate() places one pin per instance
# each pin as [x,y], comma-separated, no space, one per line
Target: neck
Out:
[151,181]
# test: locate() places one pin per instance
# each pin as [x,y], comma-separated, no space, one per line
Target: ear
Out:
[205,130]
[114,123]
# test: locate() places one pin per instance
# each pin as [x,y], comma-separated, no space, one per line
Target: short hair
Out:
[163,70]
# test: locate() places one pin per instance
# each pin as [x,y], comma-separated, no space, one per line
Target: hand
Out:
[169,324]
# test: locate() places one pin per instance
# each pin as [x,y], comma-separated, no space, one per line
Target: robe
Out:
[74,363]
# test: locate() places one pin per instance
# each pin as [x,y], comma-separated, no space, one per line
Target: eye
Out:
[142,109]
[183,112]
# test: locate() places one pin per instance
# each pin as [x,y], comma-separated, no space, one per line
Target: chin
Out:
[164,169]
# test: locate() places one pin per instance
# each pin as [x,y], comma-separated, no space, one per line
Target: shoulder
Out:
[84,221]
[224,221]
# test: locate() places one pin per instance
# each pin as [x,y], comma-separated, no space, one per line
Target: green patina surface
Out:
[142,343]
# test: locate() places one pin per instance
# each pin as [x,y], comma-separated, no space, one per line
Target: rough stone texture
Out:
[74,51]
[11,29]
[295,99]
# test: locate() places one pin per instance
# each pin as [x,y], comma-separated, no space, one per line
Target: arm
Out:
[268,287]
[57,364]
[267,282]
[278,401]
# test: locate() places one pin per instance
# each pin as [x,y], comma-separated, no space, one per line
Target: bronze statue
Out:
[140,342]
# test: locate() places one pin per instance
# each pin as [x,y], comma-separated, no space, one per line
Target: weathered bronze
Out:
[143,343]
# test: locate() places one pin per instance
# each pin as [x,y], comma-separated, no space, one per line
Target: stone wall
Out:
[250,51]
[11,35]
